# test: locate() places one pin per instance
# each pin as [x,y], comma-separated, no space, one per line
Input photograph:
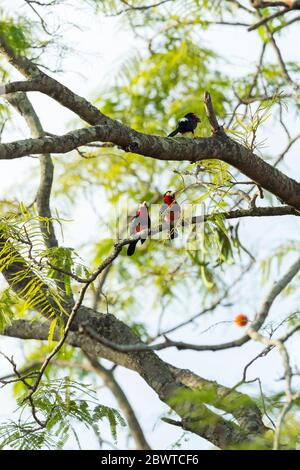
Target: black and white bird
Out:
[186,124]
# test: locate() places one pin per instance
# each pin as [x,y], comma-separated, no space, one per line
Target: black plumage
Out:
[187,124]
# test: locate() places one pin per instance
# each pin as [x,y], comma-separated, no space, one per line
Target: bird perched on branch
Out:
[141,221]
[170,212]
[186,124]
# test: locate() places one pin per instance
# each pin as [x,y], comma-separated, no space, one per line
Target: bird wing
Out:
[163,209]
[186,125]
[176,210]
[139,223]
[134,226]
[145,223]
[172,212]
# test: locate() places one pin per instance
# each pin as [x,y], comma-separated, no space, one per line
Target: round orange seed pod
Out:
[241,320]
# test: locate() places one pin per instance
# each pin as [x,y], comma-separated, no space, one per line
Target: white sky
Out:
[98,51]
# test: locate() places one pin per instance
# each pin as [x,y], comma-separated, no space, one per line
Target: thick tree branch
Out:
[195,417]
[159,375]
[216,147]
[293,4]
[192,150]
[239,405]
[95,333]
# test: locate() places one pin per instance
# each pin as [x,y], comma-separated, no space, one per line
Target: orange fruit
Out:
[241,320]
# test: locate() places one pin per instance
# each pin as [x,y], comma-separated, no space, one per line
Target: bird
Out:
[186,124]
[141,221]
[170,211]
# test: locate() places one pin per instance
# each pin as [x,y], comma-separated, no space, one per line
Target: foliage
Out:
[17,32]
[21,243]
[164,77]
[60,403]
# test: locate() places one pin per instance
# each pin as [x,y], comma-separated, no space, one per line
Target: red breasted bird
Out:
[186,124]
[170,212]
[141,221]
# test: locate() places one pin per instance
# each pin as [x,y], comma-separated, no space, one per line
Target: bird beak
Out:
[198,119]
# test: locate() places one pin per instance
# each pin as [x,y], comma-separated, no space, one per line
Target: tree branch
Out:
[168,149]
[216,128]
[257,323]
[266,19]
[195,417]
[238,404]
[109,130]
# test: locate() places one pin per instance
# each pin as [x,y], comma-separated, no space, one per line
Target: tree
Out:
[91,302]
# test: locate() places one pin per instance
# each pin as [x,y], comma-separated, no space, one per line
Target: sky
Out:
[98,49]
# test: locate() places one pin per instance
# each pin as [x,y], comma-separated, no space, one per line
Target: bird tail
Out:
[143,239]
[131,248]
[173,233]
[173,133]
